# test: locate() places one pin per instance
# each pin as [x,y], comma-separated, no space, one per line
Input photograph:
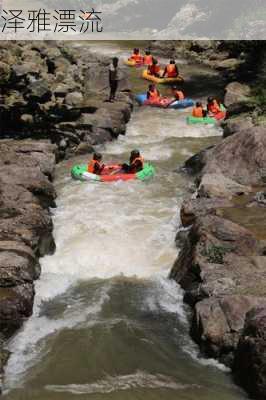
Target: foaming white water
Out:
[167,296]
[193,351]
[108,230]
[140,379]
[29,346]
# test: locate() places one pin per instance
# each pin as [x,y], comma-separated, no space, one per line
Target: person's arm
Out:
[177,70]
[138,166]
[164,73]
[98,169]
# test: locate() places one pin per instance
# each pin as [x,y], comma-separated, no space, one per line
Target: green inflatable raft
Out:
[208,120]
[111,173]
[195,120]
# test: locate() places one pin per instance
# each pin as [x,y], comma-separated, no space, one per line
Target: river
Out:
[107,323]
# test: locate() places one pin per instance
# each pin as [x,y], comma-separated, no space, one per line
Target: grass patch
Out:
[215,254]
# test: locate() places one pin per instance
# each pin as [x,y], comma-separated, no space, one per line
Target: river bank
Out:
[222,264]
[52,107]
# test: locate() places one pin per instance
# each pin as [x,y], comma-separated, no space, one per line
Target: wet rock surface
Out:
[240,157]
[250,360]
[59,91]
[26,193]
[221,264]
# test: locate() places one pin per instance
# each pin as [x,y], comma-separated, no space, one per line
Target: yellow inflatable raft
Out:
[146,75]
[130,63]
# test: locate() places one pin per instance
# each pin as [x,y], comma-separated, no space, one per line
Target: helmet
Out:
[174,87]
[135,153]
[210,99]
[97,156]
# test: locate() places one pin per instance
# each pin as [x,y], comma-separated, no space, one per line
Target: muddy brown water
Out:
[107,323]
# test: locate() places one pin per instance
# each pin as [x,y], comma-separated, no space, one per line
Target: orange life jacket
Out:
[147,60]
[197,112]
[154,95]
[214,107]
[179,95]
[171,70]
[92,164]
[141,159]
[154,69]
[137,58]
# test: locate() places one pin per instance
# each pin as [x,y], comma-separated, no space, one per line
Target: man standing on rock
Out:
[113,78]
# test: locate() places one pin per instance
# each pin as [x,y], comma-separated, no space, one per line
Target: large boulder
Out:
[26,193]
[198,207]
[237,124]
[240,157]
[217,185]
[218,323]
[250,360]
[15,305]
[236,93]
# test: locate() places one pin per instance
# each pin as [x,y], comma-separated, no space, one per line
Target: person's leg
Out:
[112,91]
[115,86]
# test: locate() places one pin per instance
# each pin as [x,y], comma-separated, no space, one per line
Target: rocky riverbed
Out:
[52,106]
[222,264]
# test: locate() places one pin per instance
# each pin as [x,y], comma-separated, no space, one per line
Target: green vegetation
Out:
[215,254]
[260,98]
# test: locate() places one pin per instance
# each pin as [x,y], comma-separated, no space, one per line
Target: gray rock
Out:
[250,359]
[5,72]
[39,91]
[217,185]
[84,148]
[74,99]
[236,93]
[237,124]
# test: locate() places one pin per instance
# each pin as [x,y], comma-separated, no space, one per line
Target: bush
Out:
[215,254]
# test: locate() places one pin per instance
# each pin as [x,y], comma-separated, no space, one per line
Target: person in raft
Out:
[147,59]
[178,95]
[154,69]
[136,163]
[113,78]
[213,106]
[95,166]
[198,111]
[153,94]
[171,70]
[136,56]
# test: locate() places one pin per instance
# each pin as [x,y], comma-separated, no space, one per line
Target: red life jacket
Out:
[214,107]
[171,71]
[154,69]
[154,95]
[197,112]
[147,60]
[137,58]
[92,165]
[179,95]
